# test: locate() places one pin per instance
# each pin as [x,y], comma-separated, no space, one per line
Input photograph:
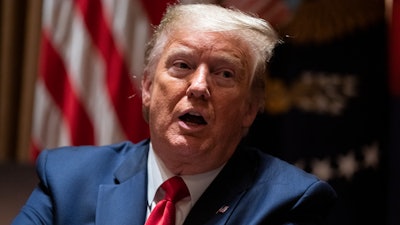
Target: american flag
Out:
[87,91]
[91,57]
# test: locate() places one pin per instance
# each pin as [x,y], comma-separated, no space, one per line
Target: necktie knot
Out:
[164,212]
[175,189]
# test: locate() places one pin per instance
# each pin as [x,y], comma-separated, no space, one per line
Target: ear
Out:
[147,82]
[250,114]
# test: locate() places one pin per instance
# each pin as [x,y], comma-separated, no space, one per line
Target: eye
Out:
[225,78]
[179,68]
[227,74]
[181,65]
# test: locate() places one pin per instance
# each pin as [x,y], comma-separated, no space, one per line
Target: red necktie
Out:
[164,212]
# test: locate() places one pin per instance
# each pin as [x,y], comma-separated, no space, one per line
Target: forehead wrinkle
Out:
[175,48]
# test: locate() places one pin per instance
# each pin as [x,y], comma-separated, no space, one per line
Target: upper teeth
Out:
[194,114]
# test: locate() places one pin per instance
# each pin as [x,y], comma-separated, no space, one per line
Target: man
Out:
[202,87]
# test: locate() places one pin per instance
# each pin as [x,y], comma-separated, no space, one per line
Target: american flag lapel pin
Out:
[222,210]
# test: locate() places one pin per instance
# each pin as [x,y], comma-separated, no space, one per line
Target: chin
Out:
[187,144]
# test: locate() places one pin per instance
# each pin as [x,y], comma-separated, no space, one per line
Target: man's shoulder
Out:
[287,180]
[91,151]
[88,158]
[273,168]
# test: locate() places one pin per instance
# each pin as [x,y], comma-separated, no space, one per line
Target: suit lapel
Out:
[224,193]
[126,200]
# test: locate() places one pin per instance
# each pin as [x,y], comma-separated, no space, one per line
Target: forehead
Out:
[221,44]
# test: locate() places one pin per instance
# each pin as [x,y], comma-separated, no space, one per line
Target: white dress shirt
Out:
[158,173]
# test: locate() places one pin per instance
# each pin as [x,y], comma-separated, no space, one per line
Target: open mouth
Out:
[193,119]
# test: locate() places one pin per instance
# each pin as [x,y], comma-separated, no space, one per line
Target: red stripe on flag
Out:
[247,4]
[35,150]
[272,4]
[126,101]
[155,9]
[394,49]
[55,78]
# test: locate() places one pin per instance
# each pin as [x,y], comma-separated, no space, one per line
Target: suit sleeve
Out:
[313,206]
[39,208]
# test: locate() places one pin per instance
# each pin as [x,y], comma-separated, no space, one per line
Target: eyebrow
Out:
[221,56]
[180,49]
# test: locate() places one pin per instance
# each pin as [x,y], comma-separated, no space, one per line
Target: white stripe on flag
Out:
[131,29]
[47,121]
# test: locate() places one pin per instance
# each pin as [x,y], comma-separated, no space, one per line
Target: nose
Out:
[199,87]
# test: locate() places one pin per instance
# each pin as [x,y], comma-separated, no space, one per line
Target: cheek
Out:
[236,109]
[229,106]
[165,95]
[249,116]
[159,111]
[158,101]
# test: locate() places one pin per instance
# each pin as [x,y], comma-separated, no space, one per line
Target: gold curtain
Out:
[318,21]
[20,23]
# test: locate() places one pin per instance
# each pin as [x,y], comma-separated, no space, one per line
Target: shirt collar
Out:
[158,173]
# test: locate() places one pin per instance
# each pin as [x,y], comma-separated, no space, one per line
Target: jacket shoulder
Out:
[85,160]
[288,193]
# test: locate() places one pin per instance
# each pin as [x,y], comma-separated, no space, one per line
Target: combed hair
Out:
[251,30]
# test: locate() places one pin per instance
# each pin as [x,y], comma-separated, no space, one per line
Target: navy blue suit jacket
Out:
[108,185]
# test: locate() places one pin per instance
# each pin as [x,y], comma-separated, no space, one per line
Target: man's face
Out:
[198,100]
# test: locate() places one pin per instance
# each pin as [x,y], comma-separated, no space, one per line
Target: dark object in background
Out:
[327,112]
